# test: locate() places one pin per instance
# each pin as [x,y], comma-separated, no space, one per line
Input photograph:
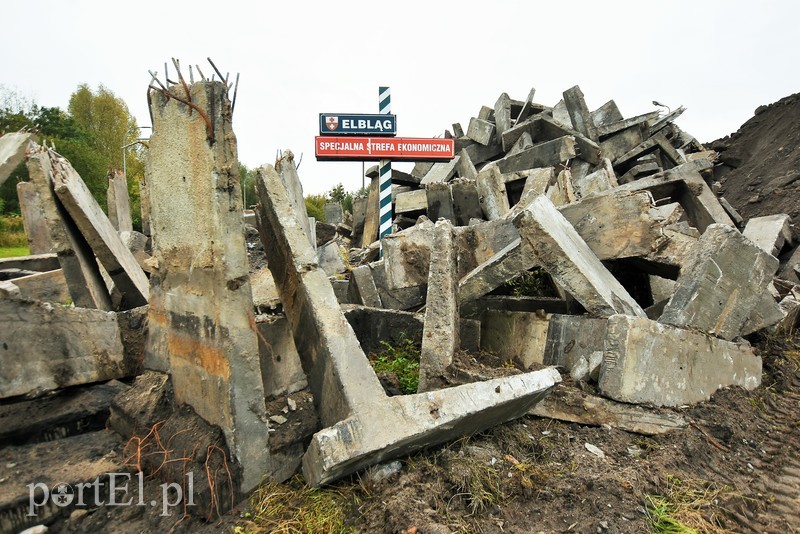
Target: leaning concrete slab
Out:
[440,201]
[722,285]
[481,131]
[545,154]
[33,219]
[407,256]
[48,286]
[606,114]
[411,201]
[579,113]
[119,202]
[371,216]
[12,152]
[203,323]
[492,191]
[506,265]
[569,260]
[571,337]
[49,346]
[441,172]
[86,285]
[440,335]
[653,363]
[364,426]
[95,227]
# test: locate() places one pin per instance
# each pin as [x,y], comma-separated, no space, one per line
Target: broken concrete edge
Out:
[402,425]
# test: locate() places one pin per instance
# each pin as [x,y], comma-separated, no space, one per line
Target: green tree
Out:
[247,179]
[315,206]
[337,194]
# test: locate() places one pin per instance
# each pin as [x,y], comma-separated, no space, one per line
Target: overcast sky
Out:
[442,59]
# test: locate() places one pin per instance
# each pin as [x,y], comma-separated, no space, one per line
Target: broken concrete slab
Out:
[569,260]
[547,154]
[466,201]
[725,280]
[617,225]
[502,114]
[33,219]
[371,216]
[12,152]
[204,324]
[622,142]
[575,406]
[505,265]
[562,191]
[50,286]
[606,114]
[537,182]
[333,213]
[440,201]
[654,363]
[86,285]
[281,370]
[579,114]
[330,258]
[492,192]
[119,202]
[34,262]
[441,172]
[570,337]
[766,313]
[519,336]
[362,287]
[113,255]
[624,124]
[594,182]
[440,337]
[481,131]
[769,233]
[49,346]
[407,256]
[411,201]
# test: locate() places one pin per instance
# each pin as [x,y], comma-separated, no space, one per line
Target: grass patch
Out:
[686,507]
[295,507]
[12,232]
[13,252]
[402,359]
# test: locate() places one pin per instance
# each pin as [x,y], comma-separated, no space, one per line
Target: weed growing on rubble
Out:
[686,506]
[295,507]
[533,283]
[401,358]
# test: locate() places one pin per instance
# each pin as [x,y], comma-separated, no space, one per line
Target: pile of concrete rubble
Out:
[635,278]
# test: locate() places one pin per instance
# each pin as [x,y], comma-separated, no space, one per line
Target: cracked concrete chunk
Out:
[653,363]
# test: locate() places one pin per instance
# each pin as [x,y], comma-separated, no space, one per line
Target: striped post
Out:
[385,173]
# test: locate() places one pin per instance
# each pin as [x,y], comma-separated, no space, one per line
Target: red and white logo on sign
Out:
[332,123]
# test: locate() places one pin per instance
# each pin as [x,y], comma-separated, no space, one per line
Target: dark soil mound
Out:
[759,165]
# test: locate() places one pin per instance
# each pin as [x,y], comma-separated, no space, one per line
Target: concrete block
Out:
[595,182]
[407,256]
[441,172]
[653,363]
[440,202]
[362,289]
[575,406]
[562,191]
[725,280]
[204,324]
[561,115]
[372,215]
[502,114]
[611,128]
[528,107]
[50,286]
[520,336]
[458,131]
[281,370]
[373,326]
[617,225]
[622,142]
[34,262]
[440,337]
[86,285]
[491,187]
[119,202]
[570,337]
[579,114]
[765,314]
[411,201]
[466,201]
[329,257]
[359,214]
[606,114]
[33,219]
[403,298]
[569,260]
[49,347]
[769,233]
[12,152]
[465,168]
[548,129]
[333,213]
[505,265]
[537,181]
[9,290]
[481,131]
[547,154]
[102,237]
[732,213]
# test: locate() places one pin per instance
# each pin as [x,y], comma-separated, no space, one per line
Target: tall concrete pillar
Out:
[30,206]
[201,305]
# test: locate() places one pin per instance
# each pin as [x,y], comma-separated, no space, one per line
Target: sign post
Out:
[385,173]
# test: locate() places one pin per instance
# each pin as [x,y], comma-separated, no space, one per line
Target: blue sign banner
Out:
[374,125]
